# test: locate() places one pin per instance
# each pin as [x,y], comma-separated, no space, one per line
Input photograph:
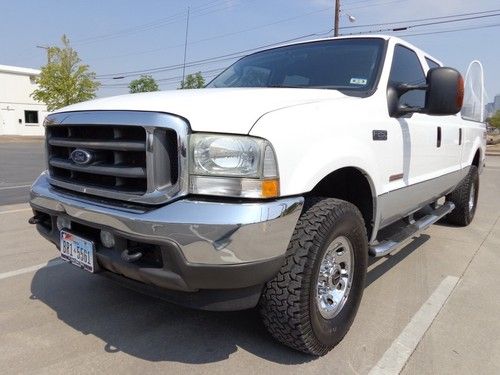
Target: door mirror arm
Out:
[394,93]
[403,88]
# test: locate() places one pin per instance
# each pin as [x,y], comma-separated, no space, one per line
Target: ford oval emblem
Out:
[81,157]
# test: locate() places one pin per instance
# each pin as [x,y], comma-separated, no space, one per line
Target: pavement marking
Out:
[14,211]
[14,187]
[395,358]
[21,271]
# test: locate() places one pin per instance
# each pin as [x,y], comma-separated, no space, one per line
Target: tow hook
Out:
[131,255]
[35,219]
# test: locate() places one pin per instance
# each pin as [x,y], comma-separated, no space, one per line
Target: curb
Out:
[21,139]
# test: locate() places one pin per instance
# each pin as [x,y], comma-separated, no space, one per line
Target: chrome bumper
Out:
[206,232]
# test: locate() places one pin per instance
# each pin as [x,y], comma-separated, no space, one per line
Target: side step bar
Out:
[401,238]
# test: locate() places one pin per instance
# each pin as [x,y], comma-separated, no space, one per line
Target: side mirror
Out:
[445,92]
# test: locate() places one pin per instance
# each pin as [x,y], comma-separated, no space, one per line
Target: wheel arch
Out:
[353,185]
[476,160]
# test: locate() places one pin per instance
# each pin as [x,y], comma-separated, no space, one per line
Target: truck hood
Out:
[224,110]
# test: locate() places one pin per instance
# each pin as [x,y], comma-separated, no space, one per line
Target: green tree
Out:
[495,120]
[144,83]
[193,81]
[64,80]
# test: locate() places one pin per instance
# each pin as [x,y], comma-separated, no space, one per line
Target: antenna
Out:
[185,48]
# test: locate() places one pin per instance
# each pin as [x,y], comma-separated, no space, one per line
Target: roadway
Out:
[20,164]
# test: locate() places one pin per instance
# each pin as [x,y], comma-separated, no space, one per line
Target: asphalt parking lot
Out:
[20,164]
[432,307]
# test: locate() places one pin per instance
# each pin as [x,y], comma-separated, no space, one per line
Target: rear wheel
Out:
[464,197]
[311,303]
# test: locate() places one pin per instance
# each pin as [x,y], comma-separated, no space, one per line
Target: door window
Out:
[432,63]
[406,68]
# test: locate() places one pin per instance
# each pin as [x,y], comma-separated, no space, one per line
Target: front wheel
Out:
[311,303]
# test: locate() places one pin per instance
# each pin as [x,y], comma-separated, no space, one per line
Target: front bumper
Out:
[202,244]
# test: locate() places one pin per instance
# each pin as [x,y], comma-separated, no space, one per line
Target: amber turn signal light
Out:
[270,188]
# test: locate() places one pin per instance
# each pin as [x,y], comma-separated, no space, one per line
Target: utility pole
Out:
[46,48]
[185,48]
[336,19]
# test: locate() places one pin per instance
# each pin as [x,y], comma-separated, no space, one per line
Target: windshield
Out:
[344,64]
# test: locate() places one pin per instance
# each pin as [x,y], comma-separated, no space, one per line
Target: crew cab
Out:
[270,187]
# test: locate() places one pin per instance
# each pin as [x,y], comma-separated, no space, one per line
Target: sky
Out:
[115,37]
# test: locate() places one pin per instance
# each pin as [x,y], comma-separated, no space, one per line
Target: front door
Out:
[431,147]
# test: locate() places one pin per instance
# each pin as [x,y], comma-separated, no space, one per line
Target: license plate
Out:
[78,251]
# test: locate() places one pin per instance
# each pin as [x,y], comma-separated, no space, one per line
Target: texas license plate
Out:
[78,251]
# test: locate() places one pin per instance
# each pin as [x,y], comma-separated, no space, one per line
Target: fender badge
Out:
[379,135]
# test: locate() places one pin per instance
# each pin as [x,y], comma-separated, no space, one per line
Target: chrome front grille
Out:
[118,156]
[132,156]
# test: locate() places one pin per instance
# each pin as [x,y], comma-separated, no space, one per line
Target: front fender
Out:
[310,144]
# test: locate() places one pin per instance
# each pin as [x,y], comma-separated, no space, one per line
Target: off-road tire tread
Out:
[284,303]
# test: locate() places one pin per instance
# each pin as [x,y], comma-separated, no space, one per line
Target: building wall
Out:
[488,110]
[496,104]
[15,99]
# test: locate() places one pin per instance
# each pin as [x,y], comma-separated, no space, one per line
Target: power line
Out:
[235,55]
[421,19]
[206,73]
[172,67]
[142,27]
[196,12]
[374,5]
[452,30]
[401,28]
[197,41]
[211,59]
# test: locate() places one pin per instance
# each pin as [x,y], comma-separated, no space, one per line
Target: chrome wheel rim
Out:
[472,197]
[335,277]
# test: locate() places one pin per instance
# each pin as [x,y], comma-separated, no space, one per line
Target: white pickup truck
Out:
[270,187]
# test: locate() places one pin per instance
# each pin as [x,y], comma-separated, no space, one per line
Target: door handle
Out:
[460,136]
[438,136]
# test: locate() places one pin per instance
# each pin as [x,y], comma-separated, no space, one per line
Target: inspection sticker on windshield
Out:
[358,81]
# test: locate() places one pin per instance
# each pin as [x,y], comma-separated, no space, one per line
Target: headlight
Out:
[236,166]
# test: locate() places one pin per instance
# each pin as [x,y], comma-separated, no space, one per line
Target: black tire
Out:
[288,303]
[463,214]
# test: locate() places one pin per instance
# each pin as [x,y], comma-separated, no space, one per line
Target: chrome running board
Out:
[404,236]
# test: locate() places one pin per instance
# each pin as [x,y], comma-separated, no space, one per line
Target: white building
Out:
[20,114]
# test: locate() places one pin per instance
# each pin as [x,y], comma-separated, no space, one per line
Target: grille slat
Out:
[106,170]
[116,145]
[118,157]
